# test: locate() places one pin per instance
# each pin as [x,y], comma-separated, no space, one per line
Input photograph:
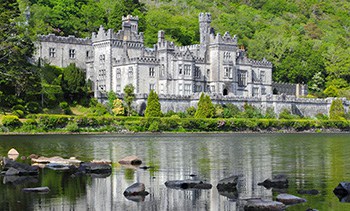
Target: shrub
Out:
[18,107]
[337,112]
[11,121]
[191,111]
[72,127]
[53,121]
[153,105]
[18,113]
[286,114]
[270,113]
[154,127]
[251,112]
[205,107]
[321,116]
[33,107]
[231,111]
[99,109]
[65,108]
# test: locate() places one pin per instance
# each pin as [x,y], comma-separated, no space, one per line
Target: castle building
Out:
[113,60]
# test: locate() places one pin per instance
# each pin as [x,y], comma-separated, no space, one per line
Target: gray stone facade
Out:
[113,60]
[178,74]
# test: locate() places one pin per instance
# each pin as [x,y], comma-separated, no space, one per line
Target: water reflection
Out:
[310,161]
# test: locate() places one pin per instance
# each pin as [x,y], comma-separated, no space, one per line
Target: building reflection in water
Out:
[175,159]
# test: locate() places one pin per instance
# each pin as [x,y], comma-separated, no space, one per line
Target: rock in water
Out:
[37,189]
[228,184]
[289,199]
[342,189]
[136,189]
[310,192]
[277,181]
[130,160]
[12,154]
[13,151]
[187,184]
[228,187]
[262,205]
[21,168]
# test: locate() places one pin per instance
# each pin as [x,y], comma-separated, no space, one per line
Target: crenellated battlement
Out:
[130,17]
[204,17]
[187,47]
[59,39]
[144,60]
[226,39]
[242,60]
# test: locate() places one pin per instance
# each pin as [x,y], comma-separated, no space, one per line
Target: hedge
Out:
[154,124]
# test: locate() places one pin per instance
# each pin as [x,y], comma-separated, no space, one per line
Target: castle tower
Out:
[130,22]
[204,27]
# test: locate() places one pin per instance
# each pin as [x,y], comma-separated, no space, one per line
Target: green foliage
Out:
[286,114]
[74,83]
[129,97]
[33,107]
[11,121]
[336,111]
[191,111]
[72,127]
[331,91]
[231,111]
[48,122]
[18,113]
[270,113]
[111,97]
[99,109]
[118,108]
[153,105]
[251,112]
[205,108]
[154,127]
[19,79]
[65,108]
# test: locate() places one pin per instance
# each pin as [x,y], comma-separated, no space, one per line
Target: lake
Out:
[311,161]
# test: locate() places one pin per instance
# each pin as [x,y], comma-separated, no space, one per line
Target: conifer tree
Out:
[337,112]
[205,107]
[153,105]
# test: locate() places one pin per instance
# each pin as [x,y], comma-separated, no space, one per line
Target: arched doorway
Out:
[225,92]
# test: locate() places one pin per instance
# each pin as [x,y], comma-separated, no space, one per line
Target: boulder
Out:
[60,167]
[12,171]
[342,189]
[289,199]
[37,189]
[228,184]
[130,160]
[263,205]
[277,181]
[187,184]
[19,180]
[310,192]
[19,168]
[95,168]
[31,156]
[13,151]
[12,154]
[56,160]
[228,187]
[136,189]
[102,161]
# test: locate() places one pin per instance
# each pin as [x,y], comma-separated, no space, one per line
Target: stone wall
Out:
[301,106]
